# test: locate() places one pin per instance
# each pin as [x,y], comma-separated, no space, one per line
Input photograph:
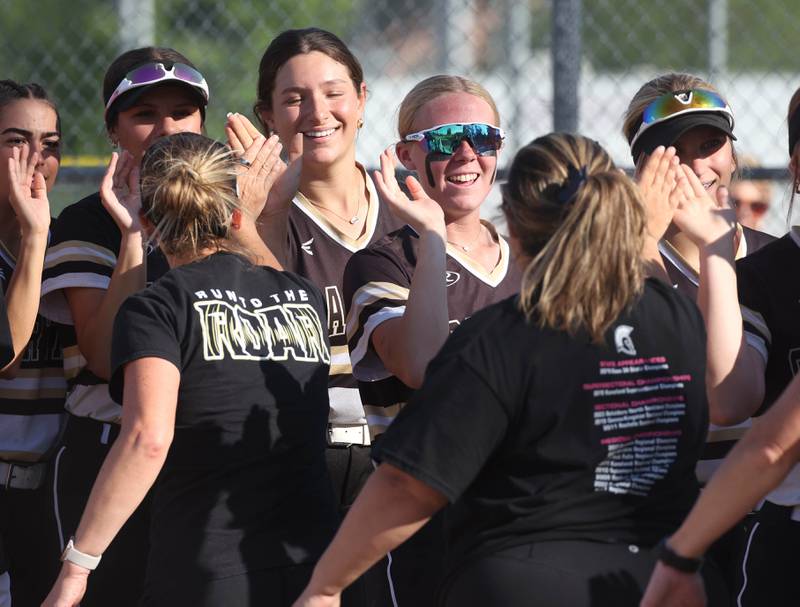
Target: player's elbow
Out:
[410,372]
[149,441]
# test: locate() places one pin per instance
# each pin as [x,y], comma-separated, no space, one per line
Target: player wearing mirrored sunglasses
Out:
[406,292]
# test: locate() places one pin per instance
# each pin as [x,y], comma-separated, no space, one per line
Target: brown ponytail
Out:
[583,224]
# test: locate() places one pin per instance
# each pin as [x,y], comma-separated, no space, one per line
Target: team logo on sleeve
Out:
[451,278]
[306,246]
[623,340]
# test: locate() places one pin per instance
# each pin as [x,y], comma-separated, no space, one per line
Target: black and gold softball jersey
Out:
[721,439]
[320,252]
[83,253]
[770,297]
[32,403]
[376,288]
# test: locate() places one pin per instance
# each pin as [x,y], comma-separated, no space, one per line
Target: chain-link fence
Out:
[569,63]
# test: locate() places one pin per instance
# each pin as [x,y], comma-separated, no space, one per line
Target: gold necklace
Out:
[352,221]
[467,247]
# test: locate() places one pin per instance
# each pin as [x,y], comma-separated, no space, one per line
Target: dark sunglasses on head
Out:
[445,138]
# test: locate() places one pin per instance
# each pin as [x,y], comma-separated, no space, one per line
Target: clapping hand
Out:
[420,212]
[28,193]
[119,192]
[703,219]
[267,185]
[657,177]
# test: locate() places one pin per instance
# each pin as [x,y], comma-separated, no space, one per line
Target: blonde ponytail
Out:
[188,188]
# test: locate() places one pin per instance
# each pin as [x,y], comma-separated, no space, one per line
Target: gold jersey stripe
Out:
[79,250]
[369,294]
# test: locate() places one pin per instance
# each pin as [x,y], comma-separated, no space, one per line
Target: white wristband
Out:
[73,555]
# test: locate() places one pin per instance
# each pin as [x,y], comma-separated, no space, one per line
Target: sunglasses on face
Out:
[756,207]
[445,139]
[679,103]
[150,73]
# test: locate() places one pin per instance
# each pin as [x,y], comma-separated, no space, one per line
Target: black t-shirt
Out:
[244,486]
[535,435]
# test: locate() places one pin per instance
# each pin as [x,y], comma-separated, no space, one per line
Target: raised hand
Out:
[420,212]
[699,216]
[288,182]
[657,177]
[267,185]
[119,192]
[671,588]
[28,193]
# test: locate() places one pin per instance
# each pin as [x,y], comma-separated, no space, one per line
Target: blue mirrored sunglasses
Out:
[445,138]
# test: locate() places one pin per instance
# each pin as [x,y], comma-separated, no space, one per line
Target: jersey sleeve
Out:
[376,289]
[456,416]
[145,326]
[82,253]
[754,306]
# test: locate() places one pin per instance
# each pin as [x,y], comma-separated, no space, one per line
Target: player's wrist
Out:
[676,556]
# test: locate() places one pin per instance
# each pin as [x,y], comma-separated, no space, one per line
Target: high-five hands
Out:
[420,212]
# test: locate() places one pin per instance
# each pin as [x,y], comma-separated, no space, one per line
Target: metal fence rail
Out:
[569,64]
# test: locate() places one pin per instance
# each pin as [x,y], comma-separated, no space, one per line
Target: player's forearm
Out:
[652,260]
[734,382]
[22,297]
[130,469]
[389,510]
[764,457]
[137,456]
[424,326]
[129,277]
[273,229]
[248,238]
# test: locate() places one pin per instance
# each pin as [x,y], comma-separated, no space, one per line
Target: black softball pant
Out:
[119,579]
[559,573]
[771,560]
[29,539]
[278,587]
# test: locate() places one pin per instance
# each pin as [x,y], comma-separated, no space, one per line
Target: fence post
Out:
[456,55]
[137,23]
[566,52]
[717,38]
[518,51]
